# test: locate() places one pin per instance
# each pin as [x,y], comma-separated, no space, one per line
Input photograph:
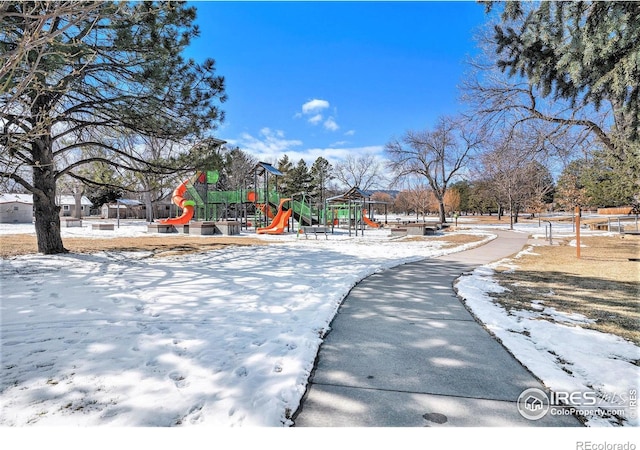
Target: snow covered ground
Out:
[229,337]
[219,338]
[567,357]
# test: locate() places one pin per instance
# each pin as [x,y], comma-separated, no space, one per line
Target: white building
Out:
[18,208]
[67,205]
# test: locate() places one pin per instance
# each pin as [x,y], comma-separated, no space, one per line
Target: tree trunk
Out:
[510,213]
[148,205]
[443,214]
[77,196]
[47,213]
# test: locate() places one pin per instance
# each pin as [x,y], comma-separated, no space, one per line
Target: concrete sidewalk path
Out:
[403,351]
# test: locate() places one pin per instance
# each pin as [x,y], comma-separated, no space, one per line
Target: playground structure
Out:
[187,206]
[259,205]
[350,210]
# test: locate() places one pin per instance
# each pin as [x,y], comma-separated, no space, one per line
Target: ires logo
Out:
[534,404]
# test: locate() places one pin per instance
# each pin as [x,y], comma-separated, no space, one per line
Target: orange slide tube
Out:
[187,206]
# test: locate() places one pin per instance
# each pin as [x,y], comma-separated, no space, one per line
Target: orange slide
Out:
[279,223]
[266,210]
[368,221]
[186,205]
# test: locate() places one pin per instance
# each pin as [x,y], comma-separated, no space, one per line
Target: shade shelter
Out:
[354,200]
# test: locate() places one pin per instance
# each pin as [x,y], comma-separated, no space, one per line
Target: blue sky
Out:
[311,79]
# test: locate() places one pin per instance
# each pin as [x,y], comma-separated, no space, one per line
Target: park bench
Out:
[316,231]
[68,222]
[102,226]
[228,227]
[202,228]
[224,227]
[161,228]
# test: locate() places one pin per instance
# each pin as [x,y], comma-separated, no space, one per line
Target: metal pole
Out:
[550,233]
[619,226]
[578,232]
[546,233]
[349,216]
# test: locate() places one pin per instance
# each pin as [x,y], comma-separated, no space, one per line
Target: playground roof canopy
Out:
[263,167]
[355,193]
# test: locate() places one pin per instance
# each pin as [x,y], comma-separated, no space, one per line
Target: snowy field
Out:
[229,337]
[219,338]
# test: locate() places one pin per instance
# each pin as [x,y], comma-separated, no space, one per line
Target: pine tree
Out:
[321,175]
[584,52]
[92,72]
[284,166]
[297,180]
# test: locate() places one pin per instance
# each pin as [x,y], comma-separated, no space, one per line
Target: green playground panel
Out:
[194,195]
[212,176]
[227,197]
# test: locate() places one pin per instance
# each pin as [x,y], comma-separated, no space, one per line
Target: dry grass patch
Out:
[603,285]
[23,244]
[450,239]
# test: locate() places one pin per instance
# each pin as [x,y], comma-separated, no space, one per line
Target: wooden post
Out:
[578,232]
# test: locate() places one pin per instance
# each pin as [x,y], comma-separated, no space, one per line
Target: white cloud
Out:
[315,120]
[313,112]
[330,124]
[337,154]
[350,133]
[268,146]
[314,106]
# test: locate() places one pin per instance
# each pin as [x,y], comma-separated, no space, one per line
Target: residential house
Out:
[133,209]
[67,205]
[16,208]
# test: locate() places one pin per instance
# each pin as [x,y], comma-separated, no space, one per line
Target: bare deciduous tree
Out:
[437,155]
[362,171]
[513,174]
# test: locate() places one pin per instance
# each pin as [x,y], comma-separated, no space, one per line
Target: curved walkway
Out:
[403,351]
